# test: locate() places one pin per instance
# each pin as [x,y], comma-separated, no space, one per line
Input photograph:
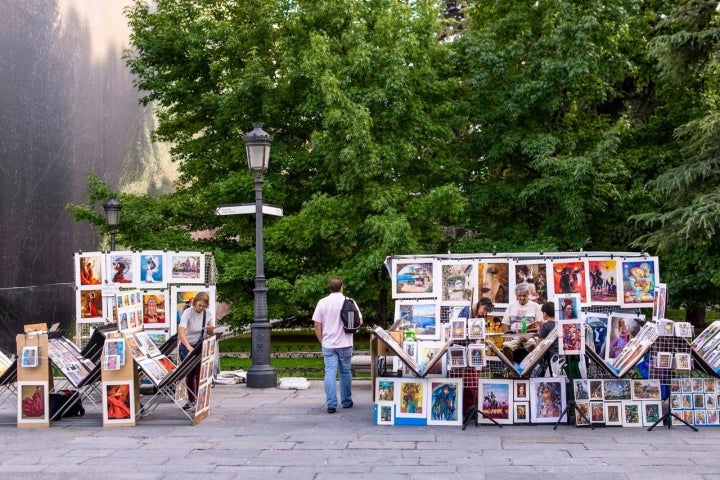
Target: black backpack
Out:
[350,316]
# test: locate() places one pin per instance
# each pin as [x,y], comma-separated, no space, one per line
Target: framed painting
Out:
[597,323]
[571,337]
[152,269]
[476,356]
[567,306]
[666,328]
[645,389]
[639,279]
[413,279]
[155,308]
[651,412]
[712,417]
[613,414]
[495,401]
[521,392]
[89,268]
[421,316]
[623,327]
[534,274]
[457,280]
[581,389]
[185,267]
[158,336]
[475,328]
[582,414]
[457,357]
[121,268]
[427,351]
[384,413]
[617,389]
[118,403]
[570,277]
[521,412]
[33,405]
[412,399]
[445,396]
[603,275]
[409,346]
[597,412]
[385,390]
[493,278]
[89,305]
[29,357]
[632,413]
[547,399]
[597,392]
[682,361]
[181,299]
[683,329]
[493,334]
[710,385]
[659,301]
[458,329]
[700,418]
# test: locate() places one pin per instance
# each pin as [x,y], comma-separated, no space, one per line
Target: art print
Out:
[29,358]
[385,390]
[639,277]
[597,323]
[152,269]
[602,289]
[420,316]
[570,277]
[89,268]
[682,361]
[410,348]
[532,273]
[581,389]
[547,399]
[613,414]
[445,402]
[597,390]
[384,413]
[522,391]
[632,413]
[427,351]
[155,305]
[122,268]
[458,281]
[567,306]
[659,301]
[458,329]
[475,328]
[623,328]
[683,329]
[476,356]
[494,281]
[619,389]
[33,402]
[572,337]
[413,279]
[457,357]
[495,401]
[185,267]
[521,412]
[118,402]
[412,398]
[494,333]
[666,328]
[597,412]
[89,304]
[582,414]
[646,389]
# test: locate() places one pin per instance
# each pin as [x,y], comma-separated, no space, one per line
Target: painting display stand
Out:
[34,377]
[666,419]
[472,414]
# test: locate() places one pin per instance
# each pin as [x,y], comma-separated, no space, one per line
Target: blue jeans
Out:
[334,358]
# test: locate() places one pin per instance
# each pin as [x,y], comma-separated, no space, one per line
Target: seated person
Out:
[521,308]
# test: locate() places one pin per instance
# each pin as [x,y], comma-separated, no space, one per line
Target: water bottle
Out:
[523,325]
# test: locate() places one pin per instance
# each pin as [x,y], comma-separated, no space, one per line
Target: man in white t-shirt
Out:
[337,346]
[522,308]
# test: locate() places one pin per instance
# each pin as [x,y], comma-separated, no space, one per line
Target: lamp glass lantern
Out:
[257,147]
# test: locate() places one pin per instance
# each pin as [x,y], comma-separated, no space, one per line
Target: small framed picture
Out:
[639,279]
[613,414]
[666,328]
[597,391]
[652,411]
[413,278]
[457,278]
[476,328]
[412,400]
[118,402]
[631,411]
[29,357]
[617,389]
[495,401]
[33,402]
[185,267]
[521,412]
[597,412]
[663,360]
[547,399]
[476,356]
[445,401]
[457,357]
[384,413]
[458,329]
[581,388]
[683,329]
[682,361]
[582,414]
[385,390]
[700,418]
[571,337]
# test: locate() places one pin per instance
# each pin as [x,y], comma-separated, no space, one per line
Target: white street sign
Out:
[247,208]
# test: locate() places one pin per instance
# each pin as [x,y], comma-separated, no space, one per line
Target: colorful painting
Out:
[570,277]
[445,402]
[121,268]
[413,279]
[90,305]
[457,280]
[185,267]
[602,289]
[89,268]
[152,271]
[495,401]
[420,316]
[597,323]
[572,337]
[639,277]
[412,398]
[154,308]
[494,281]
[534,274]
[547,399]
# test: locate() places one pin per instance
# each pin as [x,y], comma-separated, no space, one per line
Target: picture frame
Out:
[597,390]
[185,267]
[427,351]
[521,391]
[89,268]
[476,356]
[521,412]
[384,413]
[385,389]
[495,401]
[158,336]
[597,412]
[121,268]
[617,389]
[666,328]
[571,338]
[581,389]
[567,306]
[664,360]
[457,280]
[632,413]
[89,305]
[152,269]
[613,414]
[570,277]
[412,398]
[639,279]
[623,327]
[682,361]
[598,324]
[118,402]
[475,328]
[421,316]
[457,357]
[155,311]
[699,419]
[534,273]
[409,346]
[659,301]
[446,401]
[33,402]
[413,278]
[458,329]
[683,329]
[29,358]
[646,389]
[582,414]
[603,275]
[493,280]
[547,399]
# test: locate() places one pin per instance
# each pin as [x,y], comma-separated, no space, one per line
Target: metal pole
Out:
[261,374]
[112,240]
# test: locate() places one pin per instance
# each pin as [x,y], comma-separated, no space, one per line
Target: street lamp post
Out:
[112,212]
[261,374]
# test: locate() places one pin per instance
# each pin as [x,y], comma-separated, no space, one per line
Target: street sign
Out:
[247,208]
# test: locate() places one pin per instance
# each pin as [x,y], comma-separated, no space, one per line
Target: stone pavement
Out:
[287,434]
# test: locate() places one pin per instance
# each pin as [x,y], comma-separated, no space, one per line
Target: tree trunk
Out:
[696,315]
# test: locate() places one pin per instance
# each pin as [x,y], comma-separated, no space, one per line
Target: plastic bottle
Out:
[523,325]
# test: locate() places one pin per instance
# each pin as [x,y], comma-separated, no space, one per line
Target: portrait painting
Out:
[572,337]
[89,268]
[494,281]
[89,304]
[581,389]
[597,323]
[522,391]
[570,277]
[639,277]
[567,306]
[521,412]
[602,289]
[413,279]
[121,268]
[445,401]
[623,328]
[458,280]
[547,399]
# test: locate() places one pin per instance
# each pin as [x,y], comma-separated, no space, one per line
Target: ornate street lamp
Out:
[261,374]
[112,212]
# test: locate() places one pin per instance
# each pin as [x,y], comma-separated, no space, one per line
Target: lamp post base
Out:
[261,376]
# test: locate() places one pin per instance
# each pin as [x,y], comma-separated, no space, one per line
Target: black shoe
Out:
[188,406]
[349,405]
[332,409]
